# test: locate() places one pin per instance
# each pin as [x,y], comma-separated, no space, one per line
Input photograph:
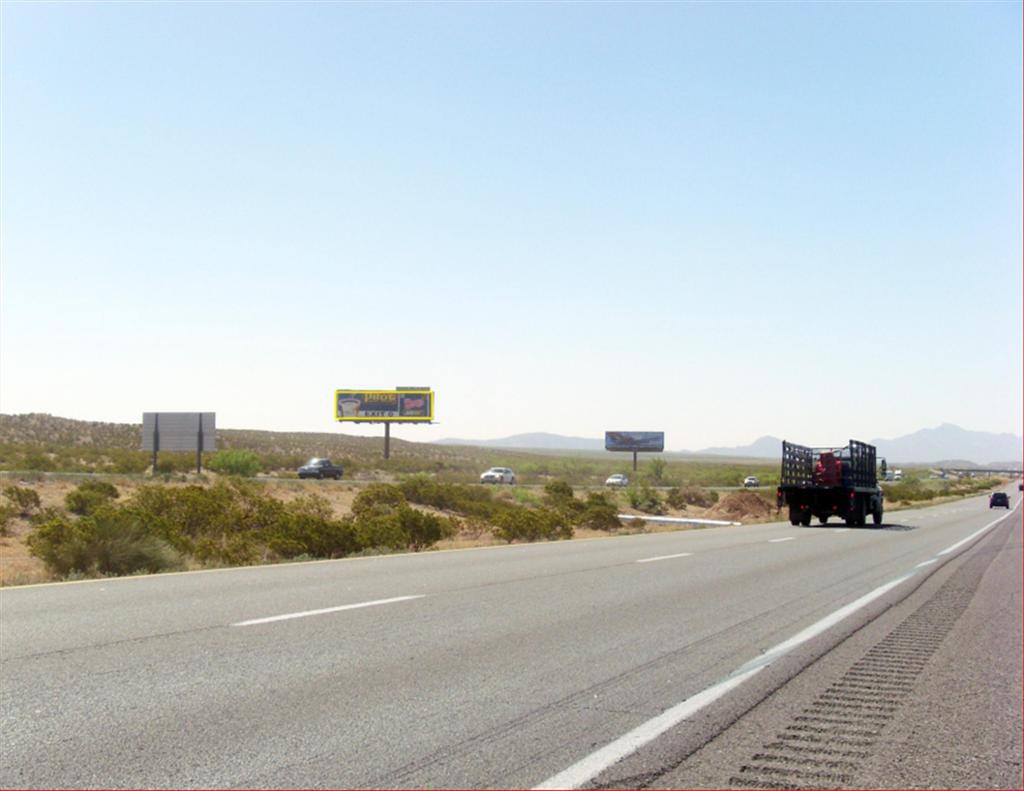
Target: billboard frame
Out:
[637,447]
[399,392]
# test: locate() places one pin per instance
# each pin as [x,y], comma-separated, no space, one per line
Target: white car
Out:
[498,475]
[618,479]
[751,482]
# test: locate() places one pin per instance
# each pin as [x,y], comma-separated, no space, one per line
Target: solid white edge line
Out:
[677,520]
[595,763]
[926,563]
[665,557]
[307,613]
[592,765]
[977,533]
[779,540]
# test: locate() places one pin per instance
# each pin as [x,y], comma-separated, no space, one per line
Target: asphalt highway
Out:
[607,661]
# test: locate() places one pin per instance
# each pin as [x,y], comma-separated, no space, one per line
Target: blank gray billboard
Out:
[179,431]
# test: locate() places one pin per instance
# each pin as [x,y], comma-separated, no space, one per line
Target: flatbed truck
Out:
[837,482]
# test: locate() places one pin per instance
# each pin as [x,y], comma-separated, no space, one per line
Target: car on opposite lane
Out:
[617,479]
[498,475]
[751,482]
[321,468]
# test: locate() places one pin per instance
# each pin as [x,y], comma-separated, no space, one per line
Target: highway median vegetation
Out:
[236,521]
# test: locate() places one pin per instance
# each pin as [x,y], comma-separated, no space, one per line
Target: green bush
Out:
[599,513]
[89,496]
[679,498]
[109,541]
[558,492]
[470,501]
[532,524]
[377,496]
[309,528]
[7,516]
[645,499]
[654,470]
[244,463]
[909,491]
[22,499]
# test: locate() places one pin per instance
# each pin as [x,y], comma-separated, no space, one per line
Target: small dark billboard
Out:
[635,442]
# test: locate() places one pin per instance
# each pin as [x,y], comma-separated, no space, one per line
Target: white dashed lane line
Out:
[665,557]
[324,611]
[779,540]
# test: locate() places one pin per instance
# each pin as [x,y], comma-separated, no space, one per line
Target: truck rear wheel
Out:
[876,515]
[806,519]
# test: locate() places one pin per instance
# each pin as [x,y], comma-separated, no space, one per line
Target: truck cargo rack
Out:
[858,464]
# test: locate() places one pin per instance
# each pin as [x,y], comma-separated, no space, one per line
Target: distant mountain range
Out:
[951,445]
[536,441]
[944,443]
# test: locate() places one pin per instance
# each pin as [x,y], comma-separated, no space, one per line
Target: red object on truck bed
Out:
[828,470]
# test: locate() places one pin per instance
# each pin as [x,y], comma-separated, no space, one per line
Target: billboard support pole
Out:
[156,440]
[634,461]
[387,439]
[199,446]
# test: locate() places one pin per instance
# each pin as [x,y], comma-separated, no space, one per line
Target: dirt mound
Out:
[740,506]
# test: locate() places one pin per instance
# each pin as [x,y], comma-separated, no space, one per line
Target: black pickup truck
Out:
[320,468]
[826,482]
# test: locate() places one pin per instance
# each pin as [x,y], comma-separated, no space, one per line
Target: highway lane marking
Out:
[926,563]
[778,540]
[581,772]
[977,533]
[843,530]
[665,557]
[325,610]
[589,767]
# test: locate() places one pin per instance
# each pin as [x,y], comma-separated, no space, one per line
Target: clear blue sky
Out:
[716,220]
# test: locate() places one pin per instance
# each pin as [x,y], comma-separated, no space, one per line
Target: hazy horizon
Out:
[715,220]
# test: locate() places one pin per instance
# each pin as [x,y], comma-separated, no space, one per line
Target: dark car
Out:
[320,468]
[997,499]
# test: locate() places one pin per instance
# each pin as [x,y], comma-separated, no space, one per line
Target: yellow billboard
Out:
[377,406]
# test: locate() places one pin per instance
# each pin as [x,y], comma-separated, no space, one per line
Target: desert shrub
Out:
[226,523]
[22,499]
[557,492]
[89,496]
[235,462]
[7,516]
[645,499]
[470,501]
[599,513]
[377,496]
[384,519]
[109,541]
[558,496]
[680,497]
[531,524]
[310,528]
[423,530]
[909,491]
[380,528]
[655,470]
